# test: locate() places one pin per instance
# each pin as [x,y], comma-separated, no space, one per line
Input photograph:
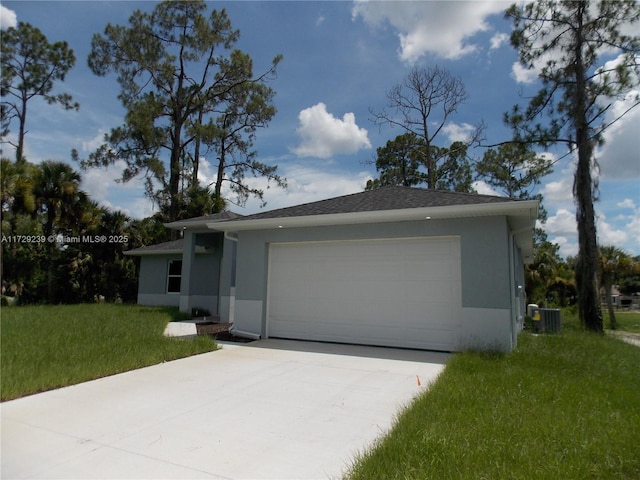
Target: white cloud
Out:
[483,188]
[610,68]
[523,75]
[206,174]
[101,186]
[93,144]
[558,191]
[626,203]
[306,184]
[619,157]
[458,133]
[634,228]
[567,248]
[623,232]
[562,223]
[8,18]
[608,235]
[322,135]
[136,209]
[442,28]
[498,40]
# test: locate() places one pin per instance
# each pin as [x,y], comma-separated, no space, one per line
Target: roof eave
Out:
[191,224]
[188,225]
[523,208]
[149,253]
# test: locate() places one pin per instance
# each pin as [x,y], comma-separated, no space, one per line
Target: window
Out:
[174,277]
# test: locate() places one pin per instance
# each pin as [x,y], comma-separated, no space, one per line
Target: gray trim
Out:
[201,222]
[166,248]
[525,209]
[381,199]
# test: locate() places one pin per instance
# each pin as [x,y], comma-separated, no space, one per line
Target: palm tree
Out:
[613,262]
[17,186]
[17,211]
[57,192]
[546,270]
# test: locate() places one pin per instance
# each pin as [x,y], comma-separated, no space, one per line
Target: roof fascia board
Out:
[202,226]
[173,251]
[524,208]
[133,253]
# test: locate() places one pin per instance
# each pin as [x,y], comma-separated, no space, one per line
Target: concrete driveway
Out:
[268,409]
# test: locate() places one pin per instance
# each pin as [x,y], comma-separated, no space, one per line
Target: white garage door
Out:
[393,292]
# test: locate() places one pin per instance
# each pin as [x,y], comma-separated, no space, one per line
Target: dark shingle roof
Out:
[203,220]
[222,216]
[174,246]
[386,198]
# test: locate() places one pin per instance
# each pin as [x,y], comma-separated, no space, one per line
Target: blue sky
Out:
[339,60]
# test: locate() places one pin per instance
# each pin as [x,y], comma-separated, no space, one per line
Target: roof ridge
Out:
[450,192]
[391,197]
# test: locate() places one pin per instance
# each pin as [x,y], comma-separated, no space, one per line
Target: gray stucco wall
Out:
[152,282]
[153,273]
[484,254]
[206,275]
[486,274]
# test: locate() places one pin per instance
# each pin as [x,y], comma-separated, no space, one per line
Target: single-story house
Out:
[395,266]
[195,272]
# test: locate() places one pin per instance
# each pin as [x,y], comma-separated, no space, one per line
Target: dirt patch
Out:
[632,338]
[228,337]
[211,328]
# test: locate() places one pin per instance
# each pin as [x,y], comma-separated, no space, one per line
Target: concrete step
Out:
[196,326]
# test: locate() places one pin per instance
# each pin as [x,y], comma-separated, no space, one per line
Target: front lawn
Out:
[628,320]
[561,406]
[46,347]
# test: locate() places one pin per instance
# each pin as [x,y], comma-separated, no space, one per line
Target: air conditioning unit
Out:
[546,320]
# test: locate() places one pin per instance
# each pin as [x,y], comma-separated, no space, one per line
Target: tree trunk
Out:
[587,266]
[608,288]
[217,191]
[222,165]
[196,155]
[22,117]
[174,180]
[174,184]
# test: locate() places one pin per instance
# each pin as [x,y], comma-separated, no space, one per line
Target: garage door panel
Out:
[401,292]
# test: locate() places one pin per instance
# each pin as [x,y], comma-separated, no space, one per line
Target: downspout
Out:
[512,288]
[233,329]
[516,317]
[229,237]
[233,239]
[241,333]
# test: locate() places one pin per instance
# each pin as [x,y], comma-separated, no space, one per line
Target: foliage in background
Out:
[60,247]
[549,280]
[514,169]
[30,66]
[188,94]
[614,262]
[421,106]
[565,42]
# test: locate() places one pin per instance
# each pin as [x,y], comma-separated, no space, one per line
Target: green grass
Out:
[47,347]
[561,406]
[629,321]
